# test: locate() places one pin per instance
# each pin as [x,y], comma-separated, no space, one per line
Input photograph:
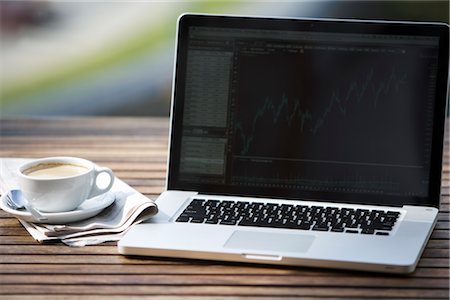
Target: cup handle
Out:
[95,190]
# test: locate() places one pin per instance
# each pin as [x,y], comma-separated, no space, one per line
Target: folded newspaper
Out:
[129,207]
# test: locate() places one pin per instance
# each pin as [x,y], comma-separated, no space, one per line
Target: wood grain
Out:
[136,149]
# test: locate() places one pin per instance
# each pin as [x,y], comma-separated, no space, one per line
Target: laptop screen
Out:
[302,109]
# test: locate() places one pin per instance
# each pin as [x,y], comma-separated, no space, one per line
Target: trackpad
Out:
[277,242]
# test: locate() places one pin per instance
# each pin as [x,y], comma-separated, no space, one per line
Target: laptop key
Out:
[212,221]
[183,218]
[245,223]
[382,233]
[304,225]
[228,222]
[189,211]
[197,220]
[337,229]
[320,228]
[197,202]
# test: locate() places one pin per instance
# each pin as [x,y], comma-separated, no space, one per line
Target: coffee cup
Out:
[59,184]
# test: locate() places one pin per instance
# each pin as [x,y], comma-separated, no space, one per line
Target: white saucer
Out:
[87,209]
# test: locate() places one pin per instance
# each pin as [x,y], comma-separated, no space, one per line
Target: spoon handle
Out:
[34,212]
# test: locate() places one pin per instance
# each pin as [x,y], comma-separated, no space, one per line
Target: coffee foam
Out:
[54,170]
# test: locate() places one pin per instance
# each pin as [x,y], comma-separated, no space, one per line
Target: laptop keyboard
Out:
[302,217]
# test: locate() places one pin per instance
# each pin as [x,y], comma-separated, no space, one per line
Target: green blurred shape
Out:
[142,43]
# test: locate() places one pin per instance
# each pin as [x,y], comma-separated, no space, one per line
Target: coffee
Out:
[54,170]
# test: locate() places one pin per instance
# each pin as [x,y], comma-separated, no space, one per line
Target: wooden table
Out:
[135,148]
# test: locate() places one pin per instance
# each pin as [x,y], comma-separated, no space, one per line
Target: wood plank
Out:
[9,222]
[155,154]
[135,166]
[138,179]
[74,139]
[56,249]
[440,234]
[438,244]
[235,280]
[211,290]
[159,146]
[17,240]
[93,250]
[187,269]
[443,225]
[89,259]
[443,216]
[438,253]
[433,262]
[6,231]
[140,297]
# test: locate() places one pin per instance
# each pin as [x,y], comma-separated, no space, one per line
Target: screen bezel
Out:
[320,25]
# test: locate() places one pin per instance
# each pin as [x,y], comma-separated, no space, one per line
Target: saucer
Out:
[87,209]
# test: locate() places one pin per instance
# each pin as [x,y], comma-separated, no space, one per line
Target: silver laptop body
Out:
[302,142]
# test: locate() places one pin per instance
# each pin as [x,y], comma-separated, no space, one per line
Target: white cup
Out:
[50,186]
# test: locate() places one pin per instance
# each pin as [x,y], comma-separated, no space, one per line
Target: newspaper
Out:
[129,207]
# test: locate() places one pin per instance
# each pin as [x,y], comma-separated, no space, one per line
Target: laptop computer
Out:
[302,142]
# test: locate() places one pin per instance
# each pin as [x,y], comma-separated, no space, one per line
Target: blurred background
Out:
[116,57]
